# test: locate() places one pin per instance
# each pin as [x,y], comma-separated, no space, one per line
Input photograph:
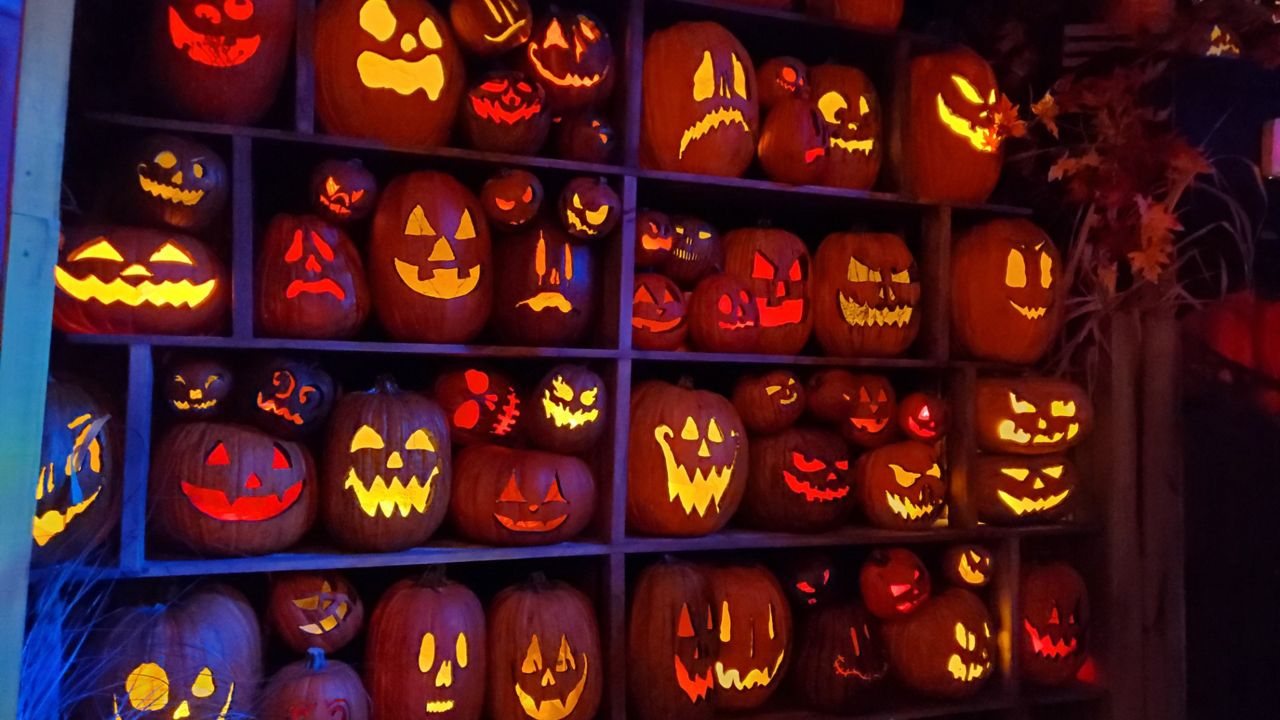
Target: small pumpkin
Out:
[882,14]
[794,143]
[946,648]
[655,236]
[1055,624]
[343,191]
[491,27]
[967,566]
[1020,489]
[586,137]
[862,406]
[572,56]
[175,182]
[770,402]
[809,580]
[197,388]
[506,112]
[800,481]
[545,289]
[314,689]
[589,208]
[671,643]
[315,610]
[775,264]
[568,410]
[755,636]
[288,398]
[840,659]
[723,316]
[310,282]
[849,110]
[482,404]
[1031,415]
[894,583]
[658,313]
[511,198]
[902,486]
[923,416]
[866,295]
[696,253]
[780,78]
[521,497]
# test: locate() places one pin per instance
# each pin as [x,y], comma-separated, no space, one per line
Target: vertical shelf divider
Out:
[137,440]
[616,627]
[304,98]
[935,229]
[961,446]
[241,237]
[633,47]
[1008,564]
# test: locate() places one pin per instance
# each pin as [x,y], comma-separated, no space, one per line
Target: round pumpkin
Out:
[800,481]
[770,402]
[226,489]
[794,142]
[688,460]
[723,316]
[511,198]
[699,109]
[946,648]
[840,659]
[521,497]
[696,253]
[849,111]
[781,78]
[894,582]
[506,112]
[589,208]
[671,617]
[482,405]
[175,182]
[310,281]
[808,580]
[754,627]
[775,265]
[388,70]
[1055,624]
[658,313]
[1007,292]
[544,653]
[1020,489]
[221,62]
[902,486]
[197,388]
[545,291]
[883,14]
[655,235]
[923,416]
[572,56]
[116,279]
[586,137]
[427,650]
[866,295]
[287,397]
[343,191]
[387,471]
[967,566]
[315,610]
[314,689]
[568,411]
[862,406]
[429,260]
[1031,415]
[491,27]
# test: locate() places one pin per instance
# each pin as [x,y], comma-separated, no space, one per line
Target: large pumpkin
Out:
[687,461]
[572,56]
[775,264]
[491,27]
[840,659]
[231,490]
[315,610]
[671,643]
[885,14]
[799,482]
[387,471]
[1007,294]
[220,61]
[506,112]
[754,628]
[429,260]
[288,398]
[388,70]
[699,110]
[482,404]
[1055,623]
[175,182]
[1017,489]
[544,654]
[902,486]
[521,497]
[427,651]
[545,290]
[770,402]
[866,295]
[946,648]
[310,280]
[658,313]
[1031,415]
[115,279]
[314,689]
[850,111]
[723,316]
[569,410]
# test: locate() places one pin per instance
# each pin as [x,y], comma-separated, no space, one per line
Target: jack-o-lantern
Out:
[781,78]
[76,488]
[506,112]
[314,689]
[176,182]
[427,651]
[388,470]
[700,110]
[809,580]
[951,142]
[902,486]
[1006,291]
[568,410]
[1017,489]
[482,404]
[1211,39]
[429,260]
[840,658]
[343,191]
[695,253]
[220,60]
[544,654]
[572,56]
[521,497]
[288,398]
[723,316]
[491,27]
[545,290]
[775,266]
[655,236]
[315,610]
[388,70]
[799,482]
[883,14]
[586,137]
[310,280]
[862,406]
[922,416]
[113,279]
[197,388]
[794,142]
[967,566]
[850,109]
[771,402]
[671,624]
[894,582]
[687,463]
[1031,415]
[1055,623]
[754,629]
[944,649]
[589,208]
[231,490]
[658,313]
[511,198]
[866,295]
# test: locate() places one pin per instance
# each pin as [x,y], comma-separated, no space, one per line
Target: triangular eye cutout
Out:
[417,223]
[1053,617]
[796,273]
[761,268]
[642,295]
[294,253]
[217,456]
[511,493]
[279,458]
[684,627]
[553,492]
[466,228]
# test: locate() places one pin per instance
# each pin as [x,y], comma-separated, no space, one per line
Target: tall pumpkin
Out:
[1055,623]
[387,470]
[754,629]
[310,280]
[945,649]
[545,290]
[866,295]
[314,689]
[800,481]
[389,70]
[315,610]
[840,658]
[775,264]
[671,643]
[715,133]
[849,107]
[521,497]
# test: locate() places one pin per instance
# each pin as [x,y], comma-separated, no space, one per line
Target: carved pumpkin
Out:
[482,405]
[671,643]
[506,112]
[696,252]
[389,70]
[923,417]
[754,629]
[849,108]
[427,651]
[658,313]
[429,260]
[840,659]
[794,142]
[862,406]
[894,582]
[902,486]
[315,610]
[884,14]
[289,398]
[572,56]
[511,198]
[589,208]
[544,654]
[310,280]
[175,182]
[314,689]
[799,482]
[220,61]
[967,566]
[723,316]
[715,133]
[197,388]
[944,649]
[866,295]
[1017,489]
[491,27]
[343,191]
[687,463]
[775,264]
[771,402]
[568,410]
[1031,415]
[521,497]
[231,490]
[808,580]
[1007,292]
[387,471]
[546,288]
[781,78]
[114,279]
[586,137]
[655,236]
[1054,624]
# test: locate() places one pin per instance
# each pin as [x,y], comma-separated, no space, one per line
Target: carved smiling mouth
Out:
[851,146]
[324,286]
[269,405]
[576,223]
[1008,430]
[859,315]
[1045,647]
[966,673]
[213,50]
[569,79]
[169,193]
[435,707]
[872,426]
[981,139]
[203,405]
[176,293]
[487,109]
[718,118]
[530,525]
[388,498]
[554,708]
[731,678]
[564,417]
[215,504]
[791,397]
[843,669]
[703,489]
[811,492]
[655,326]
[48,525]
[736,325]
[904,508]
[695,686]
[1030,313]
[787,312]
[919,430]
[328,622]
[900,589]
[1025,506]
[442,284]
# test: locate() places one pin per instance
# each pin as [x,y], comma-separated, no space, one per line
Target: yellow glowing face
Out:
[837,113]
[1222,43]
[406,77]
[967,642]
[732,678]
[970,568]
[147,690]
[395,496]
[711,453]
[980,133]
[548,675]
[132,285]
[429,660]
[86,453]
[557,403]
[1063,412]
[1028,504]
[446,280]
[586,221]
[720,90]
[786,394]
[323,601]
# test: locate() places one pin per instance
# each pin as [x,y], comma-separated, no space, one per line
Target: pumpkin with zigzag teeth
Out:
[903,486]
[567,410]
[754,629]
[866,295]
[176,182]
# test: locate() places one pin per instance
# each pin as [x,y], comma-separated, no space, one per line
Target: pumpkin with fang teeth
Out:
[511,198]
[754,629]
[840,658]
[1055,623]
[506,112]
[695,253]
[799,482]
[1031,415]
[967,566]
[866,295]
[671,643]
[175,182]
[482,405]
[894,582]
[521,497]
[572,56]
[570,410]
[197,388]
[902,486]
[289,398]
[589,208]
[946,648]
[315,610]
[1017,489]
[775,264]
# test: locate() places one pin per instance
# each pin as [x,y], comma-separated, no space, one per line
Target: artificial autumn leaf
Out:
[1156,230]
[1046,109]
[1007,123]
[1067,166]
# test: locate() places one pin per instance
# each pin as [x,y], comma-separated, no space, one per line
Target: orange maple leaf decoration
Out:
[1046,110]
[1158,224]
[1005,123]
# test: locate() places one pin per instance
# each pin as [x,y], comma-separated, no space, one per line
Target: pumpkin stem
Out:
[315,659]
[539,581]
[433,577]
[385,384]
[685,382]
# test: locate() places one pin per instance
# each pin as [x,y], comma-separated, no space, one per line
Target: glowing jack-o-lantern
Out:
[1218,40]
[587,137]
[1031,416]
[700,112]
[671,643]
[572,56]
[695,253]
[770,402]
[589,208]
[840,658]
[511,198]
[289,398]
[794,142]
[723,316]
[521,497]
[850,109]
[310,280]
[902,486]
[775,264]
[866,294]
[967,566]
[808,580]
[655,236]
[754,629]
[197,388]
[1054,624]
[176,182]
[945,648]
[315,610]
[799,482]
[781,78]
[482,405]
[343,191]
[658,313]
[545,288]
[506,112]
[570,410]
[490,27]
[894,583]
[923,416]
[1013,489]
[861,405]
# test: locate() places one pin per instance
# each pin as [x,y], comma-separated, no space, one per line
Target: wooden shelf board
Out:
[790,17]
[987,702]
[735,539]
[681,356]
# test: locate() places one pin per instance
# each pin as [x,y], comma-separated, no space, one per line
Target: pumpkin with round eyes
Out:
[849,108]
[658,313]
[589,208]
[799,482]
[840,659]
[902,486]
[197,388]
[695,253]
[220,60]
[572,56]
[310,282]
[491,27]
[314,689]
[770,402]
[343,191]
[521,497]
[546,288]
[946,648]
[1031,415]
[388,70]
[114,279]
[1055,623]
[289,398]
[885,14]
[655,236]
[586,137]
[506,112]
[794,142]
[175,182]
[754,628]
[775,265]
[482,404]
[866,295]
[315,610]
[1020,489]
[781,78]
[723,316]
[671,643]
[894,583]
[511,198]
[568,410]
[861,405]
[808,580]
[967,566]
[923,416]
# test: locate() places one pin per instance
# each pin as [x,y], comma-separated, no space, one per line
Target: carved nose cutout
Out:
[183,710]
[135,270]
[252,482]
[441,252]
[395,462]
[703,450]
[547,678]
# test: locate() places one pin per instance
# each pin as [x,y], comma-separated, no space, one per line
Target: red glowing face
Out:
[654,237]
[313,252]
[871,407]
[264,491]
[693,640]
[506,99]
[482,405]
[816,478]
[894,583]
[657,307]
[923,416]
[808,580]
[530,509]
[217,34]
[779,280]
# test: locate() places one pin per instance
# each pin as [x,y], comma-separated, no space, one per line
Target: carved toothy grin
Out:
[442,283]
[487,109]
[843,669]
[859,315]
[1030,313]
[907,510]
[562,416]
[572,80]
[530,525]
[554,708]
[269,405]
[327,623]
[213,50]
[852,146]
[387,498]
[966,672]
[682,253]
[169,193]
[507,415]
[1025,506]
[48,525]
[718,118]
[695,686]
[1046,647]
[576,223]
[811,492]
[435,707]
[185,405]
[1008,430]
[736,325]
[215,504]
[872,426]
[701,490]
[169,292]
[731,678]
